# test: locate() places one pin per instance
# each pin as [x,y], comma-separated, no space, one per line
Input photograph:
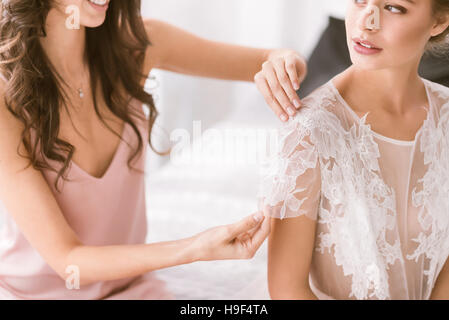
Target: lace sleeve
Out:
[291,181]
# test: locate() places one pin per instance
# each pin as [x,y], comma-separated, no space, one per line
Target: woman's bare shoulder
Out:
[39,217]
[9,125]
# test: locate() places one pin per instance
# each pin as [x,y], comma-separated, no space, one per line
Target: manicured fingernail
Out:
[258,216]
[291,111]
[296,86]
[284,117]
[297,104]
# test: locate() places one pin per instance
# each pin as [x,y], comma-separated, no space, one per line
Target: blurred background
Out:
[187,198]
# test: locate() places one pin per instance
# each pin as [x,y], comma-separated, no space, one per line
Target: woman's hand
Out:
[283,70]
[281,76]
[240,240]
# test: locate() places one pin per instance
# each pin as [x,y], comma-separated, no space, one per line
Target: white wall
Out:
[265,23]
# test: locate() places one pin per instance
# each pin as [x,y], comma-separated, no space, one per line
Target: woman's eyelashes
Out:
[395,9]
[389,7]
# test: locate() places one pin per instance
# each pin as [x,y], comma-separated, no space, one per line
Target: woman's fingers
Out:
[290,67]
[264,88]
[280,79]
[260,234]
[287,76]
[245,225]
[253,239]
[276,87]
[249,234]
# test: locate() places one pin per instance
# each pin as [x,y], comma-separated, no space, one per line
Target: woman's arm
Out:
[103,263]
[278,73]
[290,248]
[177,50]
[441,289]
[41,221]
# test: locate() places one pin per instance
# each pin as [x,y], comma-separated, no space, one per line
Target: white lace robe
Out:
[381,205]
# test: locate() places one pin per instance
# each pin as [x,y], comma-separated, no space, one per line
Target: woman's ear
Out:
[441,25]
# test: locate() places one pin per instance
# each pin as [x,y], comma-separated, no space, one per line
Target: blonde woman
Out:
[357,193]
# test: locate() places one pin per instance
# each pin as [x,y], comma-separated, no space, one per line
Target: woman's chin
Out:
[93,17]
[368,63]
[93,23]
[366,67]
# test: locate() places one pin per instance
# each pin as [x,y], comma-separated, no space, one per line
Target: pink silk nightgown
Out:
[102,211]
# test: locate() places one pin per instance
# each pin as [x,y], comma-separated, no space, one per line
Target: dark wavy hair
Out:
[115,52]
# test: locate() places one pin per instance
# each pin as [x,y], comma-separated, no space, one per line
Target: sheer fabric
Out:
[381,205]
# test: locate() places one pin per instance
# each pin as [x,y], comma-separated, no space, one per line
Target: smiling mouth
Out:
[99,2]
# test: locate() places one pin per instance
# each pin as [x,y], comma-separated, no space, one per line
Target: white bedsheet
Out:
[184,200]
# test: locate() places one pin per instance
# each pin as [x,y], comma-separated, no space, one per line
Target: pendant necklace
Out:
[81,93]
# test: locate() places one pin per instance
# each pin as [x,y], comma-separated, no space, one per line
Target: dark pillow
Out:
[331,57]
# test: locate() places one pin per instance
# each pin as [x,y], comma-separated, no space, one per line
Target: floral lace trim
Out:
[433,242]
[357,230]
[283,169]
[363,210]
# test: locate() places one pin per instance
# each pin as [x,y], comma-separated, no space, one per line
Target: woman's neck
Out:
[64,47]
[395,90]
